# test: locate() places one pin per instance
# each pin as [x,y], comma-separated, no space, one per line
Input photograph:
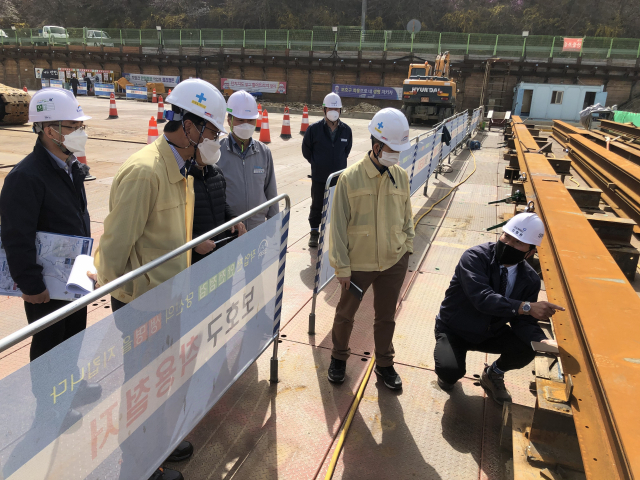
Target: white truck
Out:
[50,34]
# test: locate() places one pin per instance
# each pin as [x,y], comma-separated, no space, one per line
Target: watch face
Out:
[526,307]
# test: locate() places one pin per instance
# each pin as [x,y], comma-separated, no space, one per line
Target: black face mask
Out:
[507,255]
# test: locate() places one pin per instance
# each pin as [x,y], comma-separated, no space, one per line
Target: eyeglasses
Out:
[216,133]
[81,128]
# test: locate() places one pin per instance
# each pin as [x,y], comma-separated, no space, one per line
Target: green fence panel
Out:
[426,42]
[558,46]
[538,46]
[398,41]
[596,47]
[277,39]
[212,37]
[373,40]
[324,39]
[254,38]
[233,38]
[150,38]
[76,36]
[171,38]
[26,37]
[8,37]
[482,44]
[625,48]
[349,38]
[131,37]
[190,37]
[300,39]
[454,43]
[510,45]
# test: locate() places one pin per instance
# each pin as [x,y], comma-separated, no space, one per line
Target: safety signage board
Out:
[103,89]
[136,93]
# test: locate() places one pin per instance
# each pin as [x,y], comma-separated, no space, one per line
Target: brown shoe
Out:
[493,383]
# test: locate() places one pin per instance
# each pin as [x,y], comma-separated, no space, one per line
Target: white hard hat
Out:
[241,104]
[332,100]
[200,98]
[390,126]
[526,227]
[55,105]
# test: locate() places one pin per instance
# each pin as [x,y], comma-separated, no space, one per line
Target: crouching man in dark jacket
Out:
[493,286]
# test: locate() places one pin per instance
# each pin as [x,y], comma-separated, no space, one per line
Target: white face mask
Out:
[244,131]
[333,116]
[388,159]
[209,151]
[76,142]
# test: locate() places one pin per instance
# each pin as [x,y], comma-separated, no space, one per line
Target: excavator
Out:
[14,106]
[427,96]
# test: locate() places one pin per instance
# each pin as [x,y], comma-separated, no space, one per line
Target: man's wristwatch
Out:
[526,308]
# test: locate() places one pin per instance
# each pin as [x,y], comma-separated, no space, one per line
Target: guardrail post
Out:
[288,45]
[312,40]
[439,43]
[610,47]
[468,40]
[180,37]
[553,43]
[495,48]
[582,46]
[140,35]
[244,38]
[221,38]
[385,40]
[412,35]
[524,46]
[265,38]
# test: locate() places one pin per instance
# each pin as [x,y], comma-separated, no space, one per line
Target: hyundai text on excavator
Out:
[427,96]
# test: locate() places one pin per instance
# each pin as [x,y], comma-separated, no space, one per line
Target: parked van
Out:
[50,34]
[98,38]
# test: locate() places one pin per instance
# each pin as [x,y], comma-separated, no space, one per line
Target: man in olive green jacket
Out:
[371,240]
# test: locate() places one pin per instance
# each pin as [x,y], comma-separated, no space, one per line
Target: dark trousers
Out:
[75,91]
[57,333]
[317,199]
[116,304]
[386,290]
[451,353]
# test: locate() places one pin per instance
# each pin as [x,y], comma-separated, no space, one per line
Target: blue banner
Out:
[423,166]
[82,88]
[56,83]
[162,362]
[136,93]
[103,89]
[364,91]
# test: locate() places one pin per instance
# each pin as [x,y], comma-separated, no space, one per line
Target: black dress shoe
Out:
[389,376]
[183,452]
[166,474]
[337,370]
[87,393]
[447,387]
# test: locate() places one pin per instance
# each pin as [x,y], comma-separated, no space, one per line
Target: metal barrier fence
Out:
[418,162]
[325,39]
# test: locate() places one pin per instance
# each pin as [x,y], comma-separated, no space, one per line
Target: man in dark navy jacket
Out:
[45,192]
[493,286]
[326,146]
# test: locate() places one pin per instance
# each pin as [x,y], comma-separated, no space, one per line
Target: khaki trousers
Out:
[386,290]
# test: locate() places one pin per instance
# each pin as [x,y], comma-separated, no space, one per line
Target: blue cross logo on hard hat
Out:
[379,129]
[201,98]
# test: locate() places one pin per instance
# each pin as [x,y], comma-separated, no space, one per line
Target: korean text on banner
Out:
[56,83]
[162,361]
[82,88]
[255,86]
[103,89]
[364,91]
[572,45]
[141,80]
[136,93]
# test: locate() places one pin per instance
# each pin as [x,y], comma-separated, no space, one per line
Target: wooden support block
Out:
[585,197]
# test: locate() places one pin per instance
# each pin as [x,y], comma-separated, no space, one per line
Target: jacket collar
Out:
[166,155]
[369,167]
[230,141]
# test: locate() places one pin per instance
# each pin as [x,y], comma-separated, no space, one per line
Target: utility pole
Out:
[364,14]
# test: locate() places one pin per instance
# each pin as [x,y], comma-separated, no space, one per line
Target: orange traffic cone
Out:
[265,135]
[259,122]
[169,92]
[161,110]
[154,98]
[286,125]
[25,89]
[113,111]
[82,158]
[152,134]
[305,120]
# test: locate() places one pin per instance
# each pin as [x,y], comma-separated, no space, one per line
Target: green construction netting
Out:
[627,117]
[212,37]
[76,36]
[150,38]
[233,38]
[399,41]
[130,37]
[454,43]
[426,42]
[510,45]
[254,39]
[373,40]
[482,44]
[349,38]
[171,38]
[300,39]
[596,47]
[10,38]
[625,48]
[277,39]
[324,39]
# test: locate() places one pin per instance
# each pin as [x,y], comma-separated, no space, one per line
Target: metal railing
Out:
[39,325]
[325,39]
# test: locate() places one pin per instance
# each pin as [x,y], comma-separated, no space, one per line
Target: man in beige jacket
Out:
[151,205]
[371,240]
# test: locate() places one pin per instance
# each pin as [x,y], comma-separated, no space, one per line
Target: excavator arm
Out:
[442,65]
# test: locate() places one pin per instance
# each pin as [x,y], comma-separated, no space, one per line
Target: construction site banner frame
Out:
[70,425]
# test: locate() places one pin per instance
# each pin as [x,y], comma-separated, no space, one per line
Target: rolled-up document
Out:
[79,283]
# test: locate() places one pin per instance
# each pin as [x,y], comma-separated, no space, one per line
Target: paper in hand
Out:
[79,283]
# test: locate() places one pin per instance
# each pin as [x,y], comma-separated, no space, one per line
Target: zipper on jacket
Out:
[206,188]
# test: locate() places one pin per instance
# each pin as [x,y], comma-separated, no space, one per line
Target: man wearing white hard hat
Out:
[151,210]
[493,286]
[246,163]
[326,146]
[45,192]
[371,240]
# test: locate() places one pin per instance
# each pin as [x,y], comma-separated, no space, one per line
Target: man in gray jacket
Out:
[247,164]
